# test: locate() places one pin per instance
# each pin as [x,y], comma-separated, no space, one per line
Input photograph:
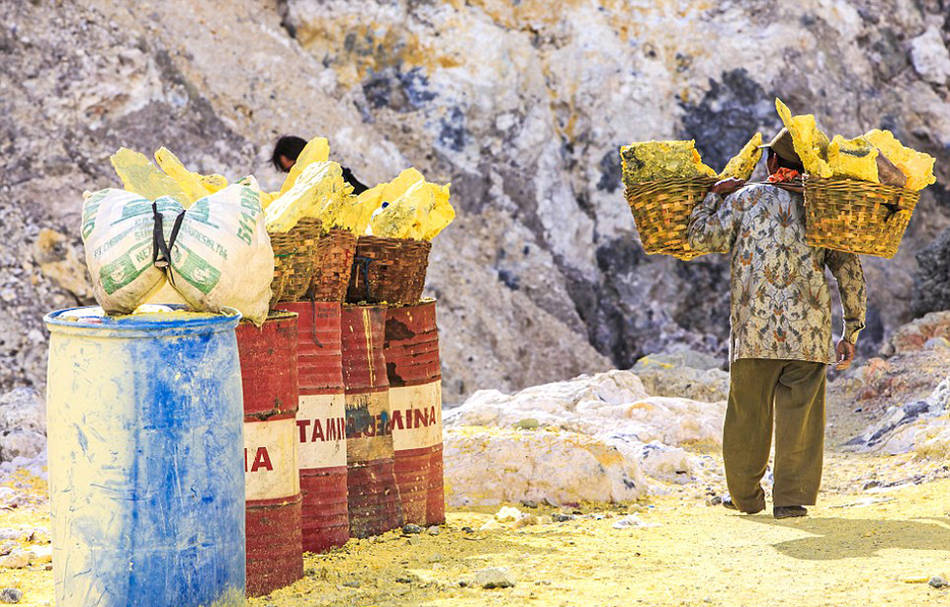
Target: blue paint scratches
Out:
[182,510]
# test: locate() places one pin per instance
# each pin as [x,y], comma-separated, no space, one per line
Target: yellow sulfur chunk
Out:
[314,194]
[742,164]
[139,175]
[853,159]
[811,144]
[916,166]
[194,185]
[654,160]
[398,186]
[355,211]
[316,150]
[420,213]
[441,214]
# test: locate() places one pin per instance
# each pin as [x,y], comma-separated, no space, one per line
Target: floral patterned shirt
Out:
[781,304]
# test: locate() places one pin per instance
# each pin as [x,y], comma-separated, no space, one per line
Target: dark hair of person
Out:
[788,164]
[288,146]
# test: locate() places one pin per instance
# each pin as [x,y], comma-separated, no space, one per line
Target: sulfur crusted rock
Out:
[811,144]
[654,160]
[916,166]
[853,159]
[742,164]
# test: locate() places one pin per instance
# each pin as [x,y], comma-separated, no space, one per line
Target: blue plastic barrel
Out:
[146,463]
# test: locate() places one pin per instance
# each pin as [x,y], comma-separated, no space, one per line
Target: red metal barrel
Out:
[274,553]
[371,483]
[415,395]
[321,425]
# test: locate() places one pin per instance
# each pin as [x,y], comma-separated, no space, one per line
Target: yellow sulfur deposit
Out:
[356,211]
[916,166]
[316,150]
[139,175]
[420,213]
[742,164]
[319,192]
[853,159]
[810,143]
[654,160]
[194,185]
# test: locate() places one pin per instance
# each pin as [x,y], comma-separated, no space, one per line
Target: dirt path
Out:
[871,547]
[865,548]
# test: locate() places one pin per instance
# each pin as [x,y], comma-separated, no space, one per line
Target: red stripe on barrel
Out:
[414,373]
[371,484]
[274,552]
[321,425]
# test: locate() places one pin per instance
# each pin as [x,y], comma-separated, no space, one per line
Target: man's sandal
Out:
[788,511]
[728,503]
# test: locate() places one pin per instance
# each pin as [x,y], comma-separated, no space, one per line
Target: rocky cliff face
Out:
[521,105]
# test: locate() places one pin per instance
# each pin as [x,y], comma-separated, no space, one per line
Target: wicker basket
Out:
[857,216]
[661,210]
[332,265]
[388,270]
[294,253]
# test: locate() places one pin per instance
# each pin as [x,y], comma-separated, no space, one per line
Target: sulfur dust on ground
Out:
[880,533]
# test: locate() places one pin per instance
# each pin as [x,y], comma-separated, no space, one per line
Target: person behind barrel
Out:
[781,333]
[289,147]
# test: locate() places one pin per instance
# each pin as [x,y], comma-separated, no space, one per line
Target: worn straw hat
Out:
[782,145]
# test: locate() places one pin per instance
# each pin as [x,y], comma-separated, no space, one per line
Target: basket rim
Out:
[857,184]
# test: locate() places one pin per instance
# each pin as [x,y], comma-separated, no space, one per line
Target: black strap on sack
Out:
[161,251]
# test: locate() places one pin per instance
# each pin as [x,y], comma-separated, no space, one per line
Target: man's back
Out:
[781,305]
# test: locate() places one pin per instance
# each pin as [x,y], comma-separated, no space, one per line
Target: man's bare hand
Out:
[845,352]
[727,186]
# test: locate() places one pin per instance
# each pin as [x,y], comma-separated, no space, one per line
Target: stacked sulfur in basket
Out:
[339,360]
[859,193]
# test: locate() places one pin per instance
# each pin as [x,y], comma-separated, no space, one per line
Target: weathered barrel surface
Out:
[273,523]
[321,425]
[371,484]
[145,476]
[415,395]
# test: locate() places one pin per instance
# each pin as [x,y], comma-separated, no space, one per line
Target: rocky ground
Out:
[522,108]
[599,491]
[874,544]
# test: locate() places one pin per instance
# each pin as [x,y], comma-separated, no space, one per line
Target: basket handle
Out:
[364,267]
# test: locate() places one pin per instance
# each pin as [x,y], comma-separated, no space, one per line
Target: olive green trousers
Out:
[792,392]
